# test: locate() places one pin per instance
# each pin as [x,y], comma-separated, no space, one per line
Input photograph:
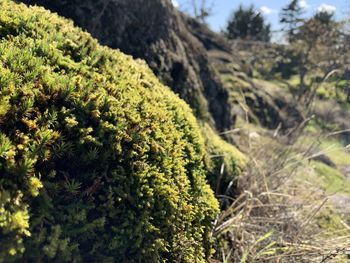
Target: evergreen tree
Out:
[247,23]
[291,16]
[324,17]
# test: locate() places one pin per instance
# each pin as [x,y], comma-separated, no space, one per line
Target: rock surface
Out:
[157,32]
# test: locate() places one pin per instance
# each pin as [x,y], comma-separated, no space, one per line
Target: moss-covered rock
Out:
[161,35]
[98,161]
[224,161]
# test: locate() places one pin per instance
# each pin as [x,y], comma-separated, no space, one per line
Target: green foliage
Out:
[291,17]
[325,17]
[331,223]
[338,153]
[225,162]
[98,160]
[247,23]
[331,179]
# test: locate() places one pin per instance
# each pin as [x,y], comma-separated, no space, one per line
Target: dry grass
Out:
[276,218]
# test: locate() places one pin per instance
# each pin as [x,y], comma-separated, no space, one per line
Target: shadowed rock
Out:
[157,32]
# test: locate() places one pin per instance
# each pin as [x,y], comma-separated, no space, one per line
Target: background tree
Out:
[324,17]
[248,23]
[291,17]
[322,49]
[201,9]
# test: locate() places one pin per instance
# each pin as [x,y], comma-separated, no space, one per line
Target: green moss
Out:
[235,84]
[312,127]
[336,152]
[225,162]
[97,158]
[294,81]
[331,223]
[331,179]
[332,226]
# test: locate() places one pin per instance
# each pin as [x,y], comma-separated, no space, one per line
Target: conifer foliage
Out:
[248,23]
[98,160]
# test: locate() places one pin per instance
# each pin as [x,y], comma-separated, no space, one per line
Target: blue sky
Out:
[270,8]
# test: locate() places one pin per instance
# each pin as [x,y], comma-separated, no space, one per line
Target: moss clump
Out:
[332,181]
[336,151]
[98,160]
[224,161]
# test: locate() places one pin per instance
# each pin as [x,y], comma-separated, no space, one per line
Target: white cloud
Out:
[327,8]
[175,3]
[303,4]
[267,11]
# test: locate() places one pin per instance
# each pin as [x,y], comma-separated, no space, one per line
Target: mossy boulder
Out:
[99,162]
[157,32]
[224,162]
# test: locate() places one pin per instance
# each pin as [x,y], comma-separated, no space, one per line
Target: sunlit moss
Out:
[120,157]
[34,186]
[336,152]
[224,161]
[331,179]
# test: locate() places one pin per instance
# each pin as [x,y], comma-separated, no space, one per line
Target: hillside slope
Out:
[200,65]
